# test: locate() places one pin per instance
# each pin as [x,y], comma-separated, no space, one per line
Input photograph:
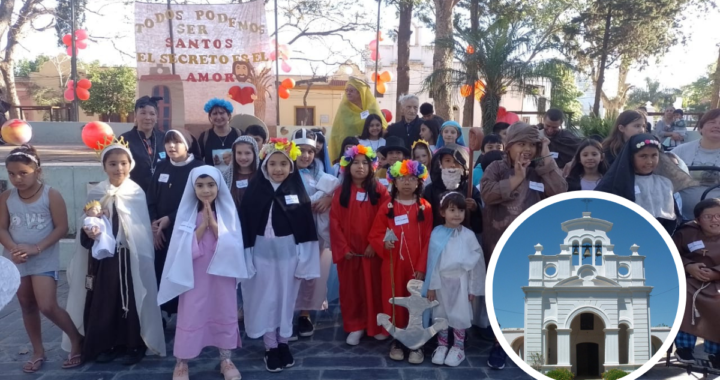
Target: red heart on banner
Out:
[241,95]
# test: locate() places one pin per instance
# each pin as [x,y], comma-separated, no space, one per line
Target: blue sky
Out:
[511,272]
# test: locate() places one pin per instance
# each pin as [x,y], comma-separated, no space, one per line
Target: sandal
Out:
[229,371]
[181,372]
[32,366]
[73,361]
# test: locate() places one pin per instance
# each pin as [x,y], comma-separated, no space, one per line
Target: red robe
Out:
[360,299]
[414,253]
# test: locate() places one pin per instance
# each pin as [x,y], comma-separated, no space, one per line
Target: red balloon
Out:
[95,133]
[67,40]
[69,95]
[284,93]
[83,94]
[84,83]
[387,114]
[81,34]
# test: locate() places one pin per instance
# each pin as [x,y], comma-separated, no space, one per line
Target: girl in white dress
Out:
[455,275]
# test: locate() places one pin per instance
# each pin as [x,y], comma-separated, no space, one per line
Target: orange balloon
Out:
[470,49]
[465,90]
[479,90]
[386,76]
[288,83]
[283,92]
[83,94]
[381,87]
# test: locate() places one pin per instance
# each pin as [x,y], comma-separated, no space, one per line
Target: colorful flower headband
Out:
[407,168]
[217,102]
[280,145]
[647,142]
[353,151]
[420,142]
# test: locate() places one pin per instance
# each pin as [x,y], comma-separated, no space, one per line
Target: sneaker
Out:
[685,355]
[714,360]
[305,326]
[272,360]
[416,356]
[455,357]
[134,356]
[381,337]
[286,358]
[396,353]
[294,336]
[497,357]
[353,338]
[439,355]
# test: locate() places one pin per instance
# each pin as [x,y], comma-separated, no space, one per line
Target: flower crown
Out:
[91,204]
[217,102]
[109,141]
[353,151]
[280,145]
[407,168]
[647,142]
[420,142]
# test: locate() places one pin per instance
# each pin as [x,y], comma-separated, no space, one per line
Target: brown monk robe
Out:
[707,302]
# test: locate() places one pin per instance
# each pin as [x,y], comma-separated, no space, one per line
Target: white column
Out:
[612,347]
[563,346]
[631,347]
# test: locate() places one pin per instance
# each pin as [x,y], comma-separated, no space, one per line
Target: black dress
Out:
[163,197]
[107,325]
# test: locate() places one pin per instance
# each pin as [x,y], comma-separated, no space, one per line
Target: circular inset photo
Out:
[583,285]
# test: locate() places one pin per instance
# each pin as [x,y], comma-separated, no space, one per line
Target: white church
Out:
[587,309]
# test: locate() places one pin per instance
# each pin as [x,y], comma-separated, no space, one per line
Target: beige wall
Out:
[324,99]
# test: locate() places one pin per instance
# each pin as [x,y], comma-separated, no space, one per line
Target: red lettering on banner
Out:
[203,77]
[191,78]
[229,77]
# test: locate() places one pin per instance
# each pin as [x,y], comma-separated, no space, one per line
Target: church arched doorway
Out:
[588,359]
[587,344]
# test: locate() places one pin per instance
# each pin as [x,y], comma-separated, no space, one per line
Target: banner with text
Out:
[188,54]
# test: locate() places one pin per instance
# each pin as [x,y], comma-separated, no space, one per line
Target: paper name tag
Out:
[384,182]
[162,155]
[554,155]
[243,183]
[364,114]
[402,219]
[637,189]
[292,199]
[537,186]
[187,227]
[361,197]
[164,178]
[694,246]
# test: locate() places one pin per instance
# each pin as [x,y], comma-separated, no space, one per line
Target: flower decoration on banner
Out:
[80,41]
[280,145]
[97,134]
[407,168]
[285,86]
[466,90]
[83,90]
[16,132]
[374,54]
[381,79]
[353,151]
[647,142]
[387,114]
[284,53]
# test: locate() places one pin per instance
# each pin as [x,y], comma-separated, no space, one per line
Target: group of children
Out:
[277,224]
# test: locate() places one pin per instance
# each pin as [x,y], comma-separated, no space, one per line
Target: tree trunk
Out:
[442,57]
[603,61]
[7,69]
[614,105]
[489,104]
[403,60]
[715,99]
[469,108]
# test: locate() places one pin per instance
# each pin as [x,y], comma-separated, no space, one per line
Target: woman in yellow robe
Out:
[356,105]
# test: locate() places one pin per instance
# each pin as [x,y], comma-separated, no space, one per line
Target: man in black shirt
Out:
[408,127]
[563,143]
[428,113]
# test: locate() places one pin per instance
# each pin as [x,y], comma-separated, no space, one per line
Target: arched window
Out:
[164,107]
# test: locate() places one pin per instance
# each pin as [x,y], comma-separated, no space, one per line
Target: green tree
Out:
[112,91]
[24,67]
[63,17]
[697,96]
[564,93]
[652,93]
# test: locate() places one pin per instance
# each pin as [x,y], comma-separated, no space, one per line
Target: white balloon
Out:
[9,281]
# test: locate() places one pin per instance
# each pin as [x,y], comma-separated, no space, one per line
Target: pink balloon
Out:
[81,44]
[272,55]
[70,84]
[374,55]
[69,95]
[286,67]
[372,45]
[69,50]
[81,34]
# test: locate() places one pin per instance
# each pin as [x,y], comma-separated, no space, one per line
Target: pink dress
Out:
[207,314]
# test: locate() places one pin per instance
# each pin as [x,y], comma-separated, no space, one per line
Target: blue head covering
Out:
[217,102]
[450,123]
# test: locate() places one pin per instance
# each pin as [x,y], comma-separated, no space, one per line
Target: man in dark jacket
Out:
[408,127]
[563,143]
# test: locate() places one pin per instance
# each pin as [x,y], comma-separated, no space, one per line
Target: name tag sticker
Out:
[292,199]
[187,227]
[637,189]
[537,186]
[241,184]
[164,178]
[402,219]
[361,197]
[364,114]
[554,155]
[162,155]
[384,182]
[694,246]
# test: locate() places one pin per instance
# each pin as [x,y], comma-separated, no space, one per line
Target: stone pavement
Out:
[323,356]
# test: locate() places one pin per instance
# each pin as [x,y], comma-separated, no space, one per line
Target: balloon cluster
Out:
[381,79]
[284,52]
[80,41]
[374,54]
[285,87]
[83,87]
[466,90]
